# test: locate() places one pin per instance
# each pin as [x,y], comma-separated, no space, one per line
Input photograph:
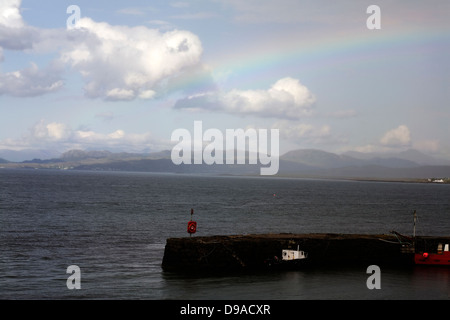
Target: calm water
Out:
[114,227]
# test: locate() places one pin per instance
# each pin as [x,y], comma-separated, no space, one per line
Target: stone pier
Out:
[249,252]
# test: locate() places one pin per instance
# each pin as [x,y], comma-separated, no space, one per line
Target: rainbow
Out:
[261,66]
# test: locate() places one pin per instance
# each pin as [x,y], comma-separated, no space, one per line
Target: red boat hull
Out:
[439,259]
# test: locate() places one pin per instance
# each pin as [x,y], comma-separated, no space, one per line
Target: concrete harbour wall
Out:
[244,252]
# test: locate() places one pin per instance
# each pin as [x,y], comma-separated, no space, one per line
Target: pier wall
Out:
[240,252]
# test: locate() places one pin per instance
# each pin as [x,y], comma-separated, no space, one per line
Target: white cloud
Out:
[58,131]
[31,81]
[147,94]
[60,136]
[117,140]
[116,62]
[118,134]
[120,94]
[14,33]
[123,63]
[287,98]
[392,140]
[10,13]
[400,136]
[53,131]
[307,134]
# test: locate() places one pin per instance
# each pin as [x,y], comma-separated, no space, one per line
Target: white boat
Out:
[292,255]
[289,258]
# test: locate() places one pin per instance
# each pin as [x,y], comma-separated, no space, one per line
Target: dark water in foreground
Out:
[114,227]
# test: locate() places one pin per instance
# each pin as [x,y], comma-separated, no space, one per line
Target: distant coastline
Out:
[32,166]
[307,164]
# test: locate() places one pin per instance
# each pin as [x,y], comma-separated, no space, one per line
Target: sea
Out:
[113,226]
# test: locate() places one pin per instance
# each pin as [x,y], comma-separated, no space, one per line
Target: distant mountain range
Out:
[410,164]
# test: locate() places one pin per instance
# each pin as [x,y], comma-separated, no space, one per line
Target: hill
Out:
[297,163]
[327,160]
[410,155]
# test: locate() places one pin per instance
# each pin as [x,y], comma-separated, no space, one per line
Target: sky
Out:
[124,75]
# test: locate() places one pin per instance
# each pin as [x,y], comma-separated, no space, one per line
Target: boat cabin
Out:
[439,250]
[293,254]
[442,257]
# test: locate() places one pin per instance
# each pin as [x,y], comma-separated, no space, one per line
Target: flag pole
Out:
[192,212]
[415,219]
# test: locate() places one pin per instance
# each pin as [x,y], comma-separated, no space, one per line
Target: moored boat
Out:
[289,258]
[439,258]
